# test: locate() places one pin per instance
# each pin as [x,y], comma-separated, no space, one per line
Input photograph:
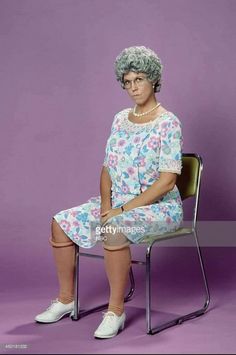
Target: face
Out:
[139,88]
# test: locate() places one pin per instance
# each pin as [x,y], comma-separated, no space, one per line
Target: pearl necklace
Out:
[144,113]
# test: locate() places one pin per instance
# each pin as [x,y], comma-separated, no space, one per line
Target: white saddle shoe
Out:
[55,312]
[110,325]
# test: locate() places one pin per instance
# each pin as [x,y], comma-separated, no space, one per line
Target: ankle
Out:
[66,299]
[118,310]
[64,302]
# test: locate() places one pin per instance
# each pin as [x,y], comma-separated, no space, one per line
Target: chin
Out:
[139,102]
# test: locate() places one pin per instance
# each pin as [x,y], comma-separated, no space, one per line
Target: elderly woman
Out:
[138,195]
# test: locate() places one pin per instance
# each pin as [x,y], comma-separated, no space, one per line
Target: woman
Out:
[138,195]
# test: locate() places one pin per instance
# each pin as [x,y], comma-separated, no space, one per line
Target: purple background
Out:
[58,97]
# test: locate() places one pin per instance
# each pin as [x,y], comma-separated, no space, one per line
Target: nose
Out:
[134,86]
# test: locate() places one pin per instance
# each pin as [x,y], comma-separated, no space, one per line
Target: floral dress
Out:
[135,155]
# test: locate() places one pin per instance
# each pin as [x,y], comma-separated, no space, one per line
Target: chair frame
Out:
[77,314]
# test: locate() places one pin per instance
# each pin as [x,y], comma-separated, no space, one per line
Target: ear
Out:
[154,83]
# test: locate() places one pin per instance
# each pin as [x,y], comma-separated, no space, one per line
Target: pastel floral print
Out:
[135,155]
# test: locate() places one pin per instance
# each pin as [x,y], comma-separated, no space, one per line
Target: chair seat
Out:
[177,233]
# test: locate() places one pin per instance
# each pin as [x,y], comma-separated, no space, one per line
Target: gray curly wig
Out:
[139,59]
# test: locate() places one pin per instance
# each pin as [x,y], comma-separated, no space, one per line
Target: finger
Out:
[105,213]
[103,222]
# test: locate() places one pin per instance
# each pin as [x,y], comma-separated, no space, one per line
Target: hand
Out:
[110,213]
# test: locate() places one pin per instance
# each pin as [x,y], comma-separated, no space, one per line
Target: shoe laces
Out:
[52,304]
[108,316]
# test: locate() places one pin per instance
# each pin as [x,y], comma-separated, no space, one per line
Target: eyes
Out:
[137,81]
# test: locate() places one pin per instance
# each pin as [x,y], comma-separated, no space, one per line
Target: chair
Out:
[188,184]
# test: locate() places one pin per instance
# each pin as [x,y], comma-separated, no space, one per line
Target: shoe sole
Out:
[53,321]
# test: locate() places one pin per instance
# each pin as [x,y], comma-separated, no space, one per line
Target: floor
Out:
[29,288]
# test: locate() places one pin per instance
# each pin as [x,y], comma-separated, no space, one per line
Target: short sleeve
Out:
[105,161]
[113,128]
[170,159]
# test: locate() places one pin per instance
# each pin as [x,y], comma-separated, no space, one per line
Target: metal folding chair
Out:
[189,186]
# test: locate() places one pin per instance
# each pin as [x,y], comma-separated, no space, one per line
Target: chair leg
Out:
[148,289]
[180,319]
[207,301]
[77,314]
[132,286]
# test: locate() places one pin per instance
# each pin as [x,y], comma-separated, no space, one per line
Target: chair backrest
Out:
[188,182]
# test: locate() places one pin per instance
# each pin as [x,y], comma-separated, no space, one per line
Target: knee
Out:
[115,241]
[58,238]
[54,229]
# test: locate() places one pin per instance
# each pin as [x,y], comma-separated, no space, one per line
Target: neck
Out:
[146,106]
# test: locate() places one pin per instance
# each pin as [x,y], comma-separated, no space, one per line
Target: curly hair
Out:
[139,59]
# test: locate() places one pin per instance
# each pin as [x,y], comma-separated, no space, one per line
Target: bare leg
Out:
[64,255]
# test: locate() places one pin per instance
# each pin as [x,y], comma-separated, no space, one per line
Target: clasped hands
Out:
[109,213]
